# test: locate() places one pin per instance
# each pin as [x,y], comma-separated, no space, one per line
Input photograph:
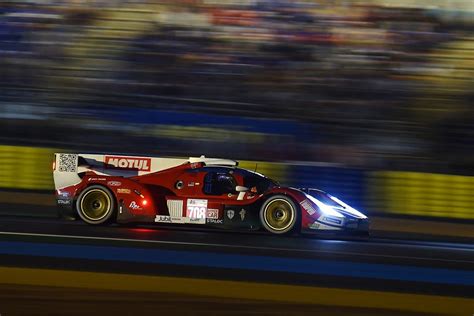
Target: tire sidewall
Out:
[106,218]
[290,228]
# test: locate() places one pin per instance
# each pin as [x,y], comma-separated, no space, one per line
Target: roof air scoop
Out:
[213,161]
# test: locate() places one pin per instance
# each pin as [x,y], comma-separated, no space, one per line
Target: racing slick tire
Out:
[95,205]
[279,214]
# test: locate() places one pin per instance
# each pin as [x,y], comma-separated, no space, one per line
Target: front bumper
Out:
[357,226]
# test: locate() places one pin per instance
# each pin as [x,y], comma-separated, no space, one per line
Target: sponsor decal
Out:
[308,207]
[178,220]
[242,214]
[170,219]
[196,208]
[124,191]
[96,179]
[134,206]
[214,221]
[332,220]
[162,219]
[197,183]
[230,214]
[327,227]
[314,226]
[190,184]
[128,163]
[114,183]
[64,202]
[197,220]
[212,213]
[64,194]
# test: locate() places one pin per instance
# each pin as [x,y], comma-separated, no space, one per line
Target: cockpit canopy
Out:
[224,180]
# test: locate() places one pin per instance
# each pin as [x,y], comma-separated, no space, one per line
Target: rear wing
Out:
[68,166]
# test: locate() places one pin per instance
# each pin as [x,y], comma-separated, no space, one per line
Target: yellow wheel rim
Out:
[279,214]
[95,204]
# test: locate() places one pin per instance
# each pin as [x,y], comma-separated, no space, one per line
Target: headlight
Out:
[348,208]
[326,209]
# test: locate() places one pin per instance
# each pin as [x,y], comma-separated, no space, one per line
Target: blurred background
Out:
[371,100]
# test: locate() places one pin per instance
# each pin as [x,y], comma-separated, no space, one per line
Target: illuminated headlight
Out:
[325,209]
[348,208]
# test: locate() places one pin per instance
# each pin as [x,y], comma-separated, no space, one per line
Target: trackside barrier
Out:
[392,192]
[422,194]
[24,167]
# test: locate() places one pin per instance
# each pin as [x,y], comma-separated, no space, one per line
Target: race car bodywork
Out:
[102,189]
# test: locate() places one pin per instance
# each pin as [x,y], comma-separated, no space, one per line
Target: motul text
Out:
[128,163]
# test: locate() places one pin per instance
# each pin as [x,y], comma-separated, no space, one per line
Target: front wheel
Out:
[95,205]
[279,214]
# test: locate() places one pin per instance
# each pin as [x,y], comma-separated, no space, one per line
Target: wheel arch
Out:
[111,194]
[298,222]
[88,185]
[286,194]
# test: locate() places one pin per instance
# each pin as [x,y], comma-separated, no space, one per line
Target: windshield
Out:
[257,181]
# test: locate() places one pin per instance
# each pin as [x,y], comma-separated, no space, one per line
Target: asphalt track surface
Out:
[379,264]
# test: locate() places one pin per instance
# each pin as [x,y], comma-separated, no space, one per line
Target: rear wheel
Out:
[279,214]
[95,205]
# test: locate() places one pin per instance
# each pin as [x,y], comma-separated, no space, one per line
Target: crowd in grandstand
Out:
[369,84]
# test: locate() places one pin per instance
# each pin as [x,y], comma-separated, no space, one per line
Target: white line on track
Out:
[233,246]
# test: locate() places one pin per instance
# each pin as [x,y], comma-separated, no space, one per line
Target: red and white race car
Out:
[202,191]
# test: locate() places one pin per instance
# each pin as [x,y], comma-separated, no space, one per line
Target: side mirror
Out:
[240,188]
